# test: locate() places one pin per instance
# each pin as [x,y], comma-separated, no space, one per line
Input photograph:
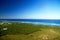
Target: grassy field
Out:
[27,31]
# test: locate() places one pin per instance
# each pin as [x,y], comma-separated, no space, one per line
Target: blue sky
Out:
[29,9]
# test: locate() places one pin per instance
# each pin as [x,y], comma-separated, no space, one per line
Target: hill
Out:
[28,31]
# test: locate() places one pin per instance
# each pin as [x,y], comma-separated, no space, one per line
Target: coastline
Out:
[28,30]
[38,23]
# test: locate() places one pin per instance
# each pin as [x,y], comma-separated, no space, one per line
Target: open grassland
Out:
[28,31]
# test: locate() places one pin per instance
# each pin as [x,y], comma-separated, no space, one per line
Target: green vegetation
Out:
[27,31]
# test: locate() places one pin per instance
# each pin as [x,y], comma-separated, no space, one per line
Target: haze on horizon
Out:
[29,9]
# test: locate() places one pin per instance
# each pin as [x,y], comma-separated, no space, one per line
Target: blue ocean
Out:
[35,21]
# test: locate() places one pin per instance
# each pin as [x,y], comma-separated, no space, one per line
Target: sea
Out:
[35,21]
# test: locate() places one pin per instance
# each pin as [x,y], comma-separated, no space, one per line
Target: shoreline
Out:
[38,23]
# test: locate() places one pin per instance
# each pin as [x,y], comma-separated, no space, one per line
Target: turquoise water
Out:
[34,21]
